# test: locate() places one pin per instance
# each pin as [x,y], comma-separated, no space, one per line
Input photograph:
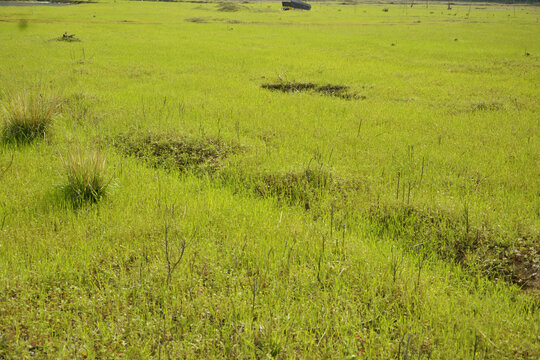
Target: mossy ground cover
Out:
[241,222]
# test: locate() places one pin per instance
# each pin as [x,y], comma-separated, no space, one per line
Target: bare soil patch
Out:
[340,91]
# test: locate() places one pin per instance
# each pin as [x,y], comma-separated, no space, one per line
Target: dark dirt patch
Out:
[340,91]
[451,238]
[176,152]
[67,38]
[519,264]
[290,86]
[198,20]
[487,106]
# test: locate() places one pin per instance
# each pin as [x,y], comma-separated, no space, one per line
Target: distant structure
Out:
[295,5]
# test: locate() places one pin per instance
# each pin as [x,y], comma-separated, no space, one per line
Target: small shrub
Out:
[27,116]
[86,176]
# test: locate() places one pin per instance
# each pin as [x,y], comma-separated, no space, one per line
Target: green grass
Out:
[86,178]
[27,116]
[401,222]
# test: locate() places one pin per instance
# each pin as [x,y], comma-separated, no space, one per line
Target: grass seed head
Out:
[27,116]
[86,176]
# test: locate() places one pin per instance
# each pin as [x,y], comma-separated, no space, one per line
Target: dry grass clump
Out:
[27,116]
[86,176]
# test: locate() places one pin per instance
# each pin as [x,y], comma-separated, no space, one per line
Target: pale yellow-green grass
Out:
[86,175]
[399,224]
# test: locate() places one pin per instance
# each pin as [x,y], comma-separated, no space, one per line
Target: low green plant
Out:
[27,116]
[86,176]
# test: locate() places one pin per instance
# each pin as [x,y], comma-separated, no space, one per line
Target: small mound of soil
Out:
[229,7]
[340,91]
[178,152]
[519,263]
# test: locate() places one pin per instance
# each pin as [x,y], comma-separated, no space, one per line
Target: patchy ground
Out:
[340,91]
[176,152]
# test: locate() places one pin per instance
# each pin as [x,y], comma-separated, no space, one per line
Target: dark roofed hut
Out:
[295,4]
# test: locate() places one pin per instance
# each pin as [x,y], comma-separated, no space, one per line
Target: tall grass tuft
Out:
[86,176]
[27,116]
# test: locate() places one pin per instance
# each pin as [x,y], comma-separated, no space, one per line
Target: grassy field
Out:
[353,182]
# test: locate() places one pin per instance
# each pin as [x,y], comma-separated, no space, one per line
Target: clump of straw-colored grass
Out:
[27,116]
[86,176]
